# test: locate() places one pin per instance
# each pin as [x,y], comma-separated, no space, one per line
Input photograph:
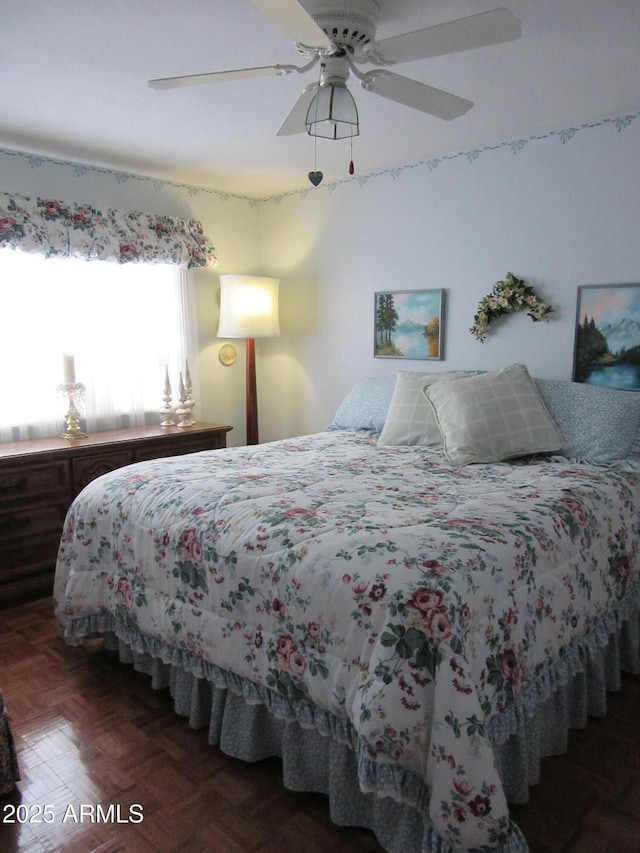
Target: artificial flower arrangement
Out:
[512,294]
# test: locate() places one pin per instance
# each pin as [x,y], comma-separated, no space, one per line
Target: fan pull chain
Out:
[316,176]
[351,166]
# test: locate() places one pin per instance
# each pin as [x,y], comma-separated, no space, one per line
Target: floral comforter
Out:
[417,602]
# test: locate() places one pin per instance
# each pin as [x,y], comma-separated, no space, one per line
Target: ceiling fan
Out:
[340,35]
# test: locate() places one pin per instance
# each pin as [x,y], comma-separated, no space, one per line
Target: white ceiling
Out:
[74,86]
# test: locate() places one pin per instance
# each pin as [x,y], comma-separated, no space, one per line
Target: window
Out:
[124,324]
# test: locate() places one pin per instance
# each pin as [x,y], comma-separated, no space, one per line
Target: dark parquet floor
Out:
[91,731]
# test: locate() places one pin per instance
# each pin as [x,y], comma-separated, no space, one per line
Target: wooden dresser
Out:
[40,478]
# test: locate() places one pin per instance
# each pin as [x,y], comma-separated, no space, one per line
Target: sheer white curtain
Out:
[124,324]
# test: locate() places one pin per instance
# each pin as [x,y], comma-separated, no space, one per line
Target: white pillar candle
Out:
[68,369]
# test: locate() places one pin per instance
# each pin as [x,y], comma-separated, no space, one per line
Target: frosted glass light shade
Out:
[332,113]
[248,306]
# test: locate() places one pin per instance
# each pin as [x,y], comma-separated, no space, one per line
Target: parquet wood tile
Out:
[91,731]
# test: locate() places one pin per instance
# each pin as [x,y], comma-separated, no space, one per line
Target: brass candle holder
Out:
[74,392]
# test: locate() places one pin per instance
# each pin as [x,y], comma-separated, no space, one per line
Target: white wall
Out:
[560,210]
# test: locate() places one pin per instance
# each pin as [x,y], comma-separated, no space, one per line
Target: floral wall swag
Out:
[512,294]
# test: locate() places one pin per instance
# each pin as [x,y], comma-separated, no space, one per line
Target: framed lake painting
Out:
[607,342]
[409,324]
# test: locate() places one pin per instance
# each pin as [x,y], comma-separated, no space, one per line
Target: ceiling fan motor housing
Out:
[353,28]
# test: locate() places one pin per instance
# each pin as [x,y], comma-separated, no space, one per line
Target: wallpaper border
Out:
[619,123]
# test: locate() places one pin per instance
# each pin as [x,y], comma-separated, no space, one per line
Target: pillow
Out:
[598,424]
[489,417]
[365,406]
[411,419]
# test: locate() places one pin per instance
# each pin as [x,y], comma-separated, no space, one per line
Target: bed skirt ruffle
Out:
[564,696]
[322,753]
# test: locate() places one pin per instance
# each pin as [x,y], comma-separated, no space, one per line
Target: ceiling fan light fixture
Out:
[332,113]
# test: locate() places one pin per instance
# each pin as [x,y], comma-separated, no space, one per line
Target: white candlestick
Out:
[68,369]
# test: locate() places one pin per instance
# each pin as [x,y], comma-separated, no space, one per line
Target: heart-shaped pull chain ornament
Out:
[316,175]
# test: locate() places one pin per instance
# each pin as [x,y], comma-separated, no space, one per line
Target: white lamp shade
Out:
[248,307]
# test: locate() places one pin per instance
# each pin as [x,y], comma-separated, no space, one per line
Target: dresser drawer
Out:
[188,444]
[35,556]
[31,482]
[34,585]
[27,573]
[87,468]
[21,523]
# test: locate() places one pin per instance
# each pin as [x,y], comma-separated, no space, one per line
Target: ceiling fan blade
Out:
[295,120]
[486,28]
[221,76]
[413,94]
[297,23]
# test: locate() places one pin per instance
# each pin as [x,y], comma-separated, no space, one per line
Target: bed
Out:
[411,607]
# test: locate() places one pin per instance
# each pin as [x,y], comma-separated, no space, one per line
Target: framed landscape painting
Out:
[409,324]
[607,342]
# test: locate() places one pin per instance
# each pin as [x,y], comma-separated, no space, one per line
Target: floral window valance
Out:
[60,229]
